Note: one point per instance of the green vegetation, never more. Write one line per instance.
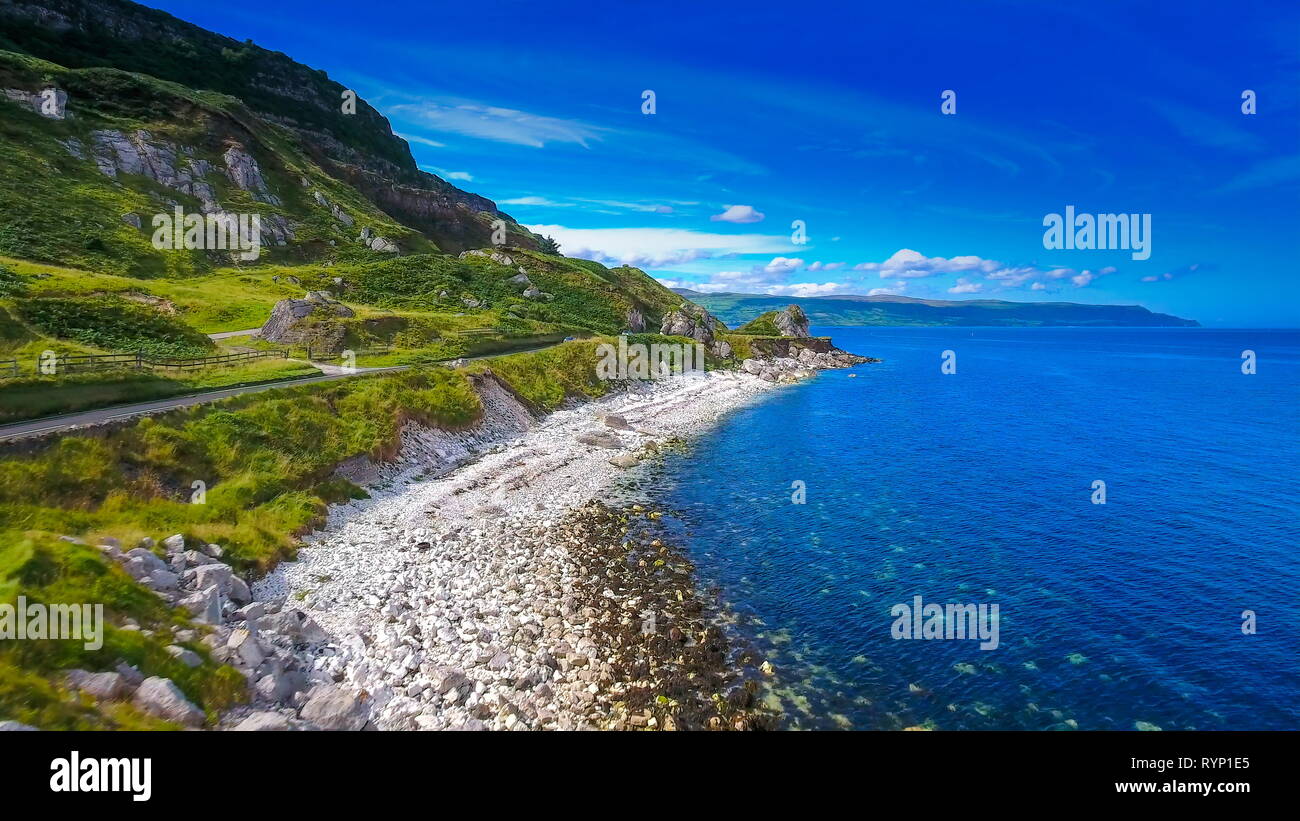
(39, 396)
(762, 325)
(268, 461)
(45, 570)
(114, 325)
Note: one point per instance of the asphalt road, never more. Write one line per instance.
(67, 421)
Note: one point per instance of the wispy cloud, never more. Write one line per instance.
(411, 138)
(656, 247)
(463, 176)
(507, 125)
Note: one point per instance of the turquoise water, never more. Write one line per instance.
(977, 487)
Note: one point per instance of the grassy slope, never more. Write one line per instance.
(63, 210)
(761, 325)
(267, 461)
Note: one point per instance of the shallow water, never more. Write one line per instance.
(977, 488)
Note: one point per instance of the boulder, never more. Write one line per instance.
(601, 439)
(205, 605)
(160, 697)
(185, 656)
(103, 686)
(332, 707)
(264, 722)
(14, 726)
(151, 562)
(312, 321)
(615, 421)
(207, 576)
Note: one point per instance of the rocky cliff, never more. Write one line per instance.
(288, 126)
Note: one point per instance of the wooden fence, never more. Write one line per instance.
(84, 363)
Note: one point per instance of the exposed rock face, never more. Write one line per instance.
(179, 169)
(51, 103)
(635, 320)
(690, 320)
(358, 147)
(167, 164)
(792, 322)
(244, 172)
(308, 321)
(789, 360)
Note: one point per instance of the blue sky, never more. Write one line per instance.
(829, 113)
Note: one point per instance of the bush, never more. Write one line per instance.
(114, 324)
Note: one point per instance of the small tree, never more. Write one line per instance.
(548, 245)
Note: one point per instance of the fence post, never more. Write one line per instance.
(139, 359)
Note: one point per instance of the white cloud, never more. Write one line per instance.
(825, 266)
(738, 214)
(1038, 286)
(808, 289)
(965, 286)
(533, 201)
(463, 176)
(499, 124)
(783, 265)
(909, 264)
(422, 140)
(655, 247)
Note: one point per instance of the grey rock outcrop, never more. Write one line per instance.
(634, 320)
(51, 103)
(308, 321)
(246, 174)
(692, 321)
(792, 322)
(116, 153)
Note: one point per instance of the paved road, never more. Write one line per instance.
(68, 421)
(34, 427)
(229, 334)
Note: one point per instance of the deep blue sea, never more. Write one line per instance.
(977, 487)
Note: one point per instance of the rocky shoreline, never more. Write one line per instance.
(485, 584)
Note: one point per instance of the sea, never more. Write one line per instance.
(1128, 498)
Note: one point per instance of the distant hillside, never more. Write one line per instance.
(736, 309)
